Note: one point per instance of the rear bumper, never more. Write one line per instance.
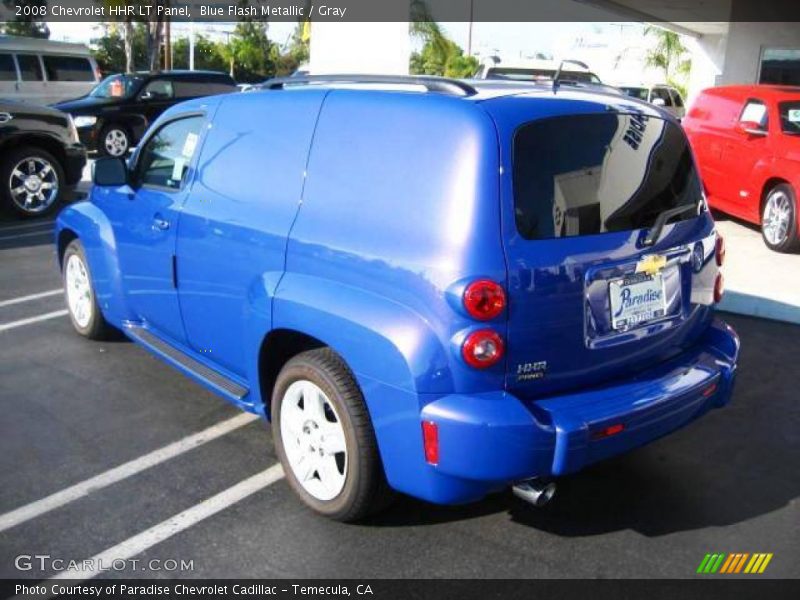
(487, 441)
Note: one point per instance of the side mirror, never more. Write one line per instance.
(146, 96)
(110, 171)
(749, 128)
(659, 102)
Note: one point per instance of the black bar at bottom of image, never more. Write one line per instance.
(416, 589)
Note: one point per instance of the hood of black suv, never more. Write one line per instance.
(87, 105)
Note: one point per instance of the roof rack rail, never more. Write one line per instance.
(442, 85)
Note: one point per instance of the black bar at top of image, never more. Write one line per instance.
(407, 589)
(675, 11)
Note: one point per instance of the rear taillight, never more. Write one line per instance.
(430, 440)
(484, 299)
(719, 250)
(483, 348)
(719, 288)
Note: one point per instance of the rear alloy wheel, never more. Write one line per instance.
(33, 181)
(115, 141)
(779, 219)
(324, 438)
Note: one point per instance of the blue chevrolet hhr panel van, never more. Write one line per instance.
(427, 286)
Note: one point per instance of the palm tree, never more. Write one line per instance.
(668, 53)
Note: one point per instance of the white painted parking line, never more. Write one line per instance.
(123, 471)
(30, 297)
(26, 235)
(51, 315)
(174, 525)
(27, 226)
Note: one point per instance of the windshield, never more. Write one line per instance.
(624, 172)
(790, 117)
(540, 75)
(636, 92)
(116, 86)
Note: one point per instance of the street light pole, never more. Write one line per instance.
(469, 36)
(191, 45)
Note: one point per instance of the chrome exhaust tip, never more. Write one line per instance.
(536, 492)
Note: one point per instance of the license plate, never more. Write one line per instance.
(636, 299)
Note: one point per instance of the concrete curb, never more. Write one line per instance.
(755, 306)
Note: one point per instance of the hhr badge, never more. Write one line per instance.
(532, 370)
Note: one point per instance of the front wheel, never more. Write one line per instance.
(32, 181)
(84, 311)
(779, 219)
(324, 437)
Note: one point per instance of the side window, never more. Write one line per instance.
(195, 89)
(159, 89)
(663, 94)
(8, 72)
(755, 111)
(68, 68)
(29, 67)
(676, 98)
(165, 158)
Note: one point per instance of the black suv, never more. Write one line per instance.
(115, 114)
(40, 156)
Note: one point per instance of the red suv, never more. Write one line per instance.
(747, 143)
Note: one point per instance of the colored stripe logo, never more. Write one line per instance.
(737, 562)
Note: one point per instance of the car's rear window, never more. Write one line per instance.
(598, 173)
(790, 117)
(68, 68)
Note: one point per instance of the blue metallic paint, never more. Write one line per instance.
(338, 218)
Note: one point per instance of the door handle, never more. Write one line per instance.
(160, 223)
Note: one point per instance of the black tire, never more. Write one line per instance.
(9, 162)
(97, 328)
(365, 489)
(791, 241)
(120, 130)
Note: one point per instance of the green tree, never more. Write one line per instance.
(109, 50)
(207, 54)
(439, 55)
(670, 55)
(25, 26)
(254, 55)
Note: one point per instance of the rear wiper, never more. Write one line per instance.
(655, 231)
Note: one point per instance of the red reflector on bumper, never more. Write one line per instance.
(608, 431)
(709, 391)
(430, 438)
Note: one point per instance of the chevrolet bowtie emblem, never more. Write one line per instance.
(651, 264)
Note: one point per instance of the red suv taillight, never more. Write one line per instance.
(719, 250)
(483, 348)
(484, 299)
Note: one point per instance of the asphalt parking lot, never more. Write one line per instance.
(78, 477)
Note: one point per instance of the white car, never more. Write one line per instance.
(535, 70)
(44, 71)
(665, 96)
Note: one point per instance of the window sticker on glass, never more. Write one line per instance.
(794, 115)
(754, 112)
(189, 145)
(177, 170)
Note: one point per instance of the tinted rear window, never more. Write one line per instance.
(598, 173)
(8, 72)
(68, 68)
(186, 88)
(29, 67)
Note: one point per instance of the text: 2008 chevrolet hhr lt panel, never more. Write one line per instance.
(440, 289)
